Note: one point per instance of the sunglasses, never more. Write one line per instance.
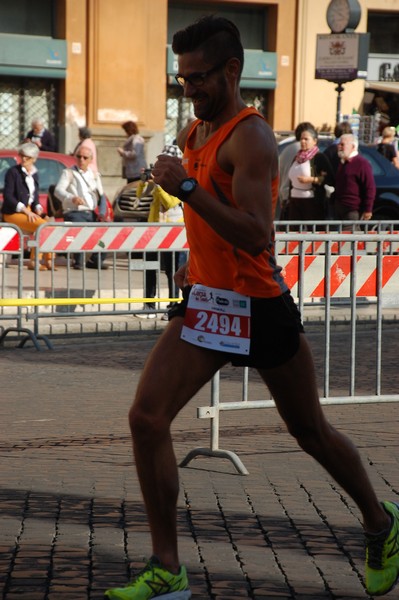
(83, 157)
(198, 79)
(25, 156)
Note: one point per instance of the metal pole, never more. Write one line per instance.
(339, 89)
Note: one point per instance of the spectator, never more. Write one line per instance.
(172, 261)
(41, 136)
(21, 204)
(354, 183)
(285, 161)
(387, 146)
(81, 193)
(332, 150)
(167, 209)
(132, 153)
(86, 141)
(308, 174)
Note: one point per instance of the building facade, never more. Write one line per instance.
(99, 63)
(316, 100)
(104, 63)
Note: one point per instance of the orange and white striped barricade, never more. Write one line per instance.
(364, 269)
(314, 267)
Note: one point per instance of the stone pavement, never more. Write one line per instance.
(72, 521)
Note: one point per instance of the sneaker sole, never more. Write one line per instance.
(186, 595)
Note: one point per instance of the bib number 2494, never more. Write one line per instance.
(217, 323)
(218, 319)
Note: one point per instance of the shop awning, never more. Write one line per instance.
(383, 86)
(260, 69)
(32, 56)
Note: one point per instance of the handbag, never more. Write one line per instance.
(54, 205)
(101, 210)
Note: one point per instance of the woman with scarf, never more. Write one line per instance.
(309, 173)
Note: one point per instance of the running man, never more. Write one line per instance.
(228, 181)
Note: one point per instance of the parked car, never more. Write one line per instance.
(127, 207)
(386, 176)
(50, 166)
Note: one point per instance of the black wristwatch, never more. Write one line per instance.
(186, 187)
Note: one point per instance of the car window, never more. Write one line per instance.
(5, 164)
(377, 169)
(49, 172)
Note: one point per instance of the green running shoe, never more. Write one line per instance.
(382, 556)
(154, 582)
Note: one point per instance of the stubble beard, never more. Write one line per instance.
(210, 108)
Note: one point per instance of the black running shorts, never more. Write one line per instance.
(275, 328)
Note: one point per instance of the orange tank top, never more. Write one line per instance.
(213, 261)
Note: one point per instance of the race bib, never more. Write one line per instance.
(218, 320)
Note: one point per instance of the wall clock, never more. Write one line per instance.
(343, 15)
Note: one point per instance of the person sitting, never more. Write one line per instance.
(41, 136)
(386, 146)
(21, 204)
(81, 193)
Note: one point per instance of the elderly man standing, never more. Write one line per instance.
(354, 184)
(81, 192)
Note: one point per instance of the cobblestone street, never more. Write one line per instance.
(72, 521)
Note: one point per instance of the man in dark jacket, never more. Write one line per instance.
(41, 136)
(354, 184)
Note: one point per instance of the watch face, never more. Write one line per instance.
(187, 185)
(338, 15)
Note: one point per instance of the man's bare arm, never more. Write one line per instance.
(250, 155)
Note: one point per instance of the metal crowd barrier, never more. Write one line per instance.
(337, 226)
(12, 244)
(320, 267)
(328, 268)
(131, 251)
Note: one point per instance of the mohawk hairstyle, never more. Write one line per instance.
(217, 37)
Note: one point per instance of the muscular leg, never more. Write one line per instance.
(293, 387)
(173, 373)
